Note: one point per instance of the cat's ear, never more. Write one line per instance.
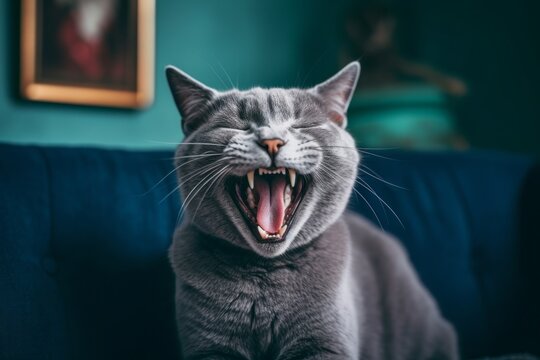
(191, 97)
(337, 92)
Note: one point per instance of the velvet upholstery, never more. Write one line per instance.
(84, 235)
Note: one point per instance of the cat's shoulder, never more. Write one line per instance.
(372, 242)
(364, 232)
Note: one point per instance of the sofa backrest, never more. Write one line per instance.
(84, 235)
(83, 254)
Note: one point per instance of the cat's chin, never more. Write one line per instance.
(268, 200)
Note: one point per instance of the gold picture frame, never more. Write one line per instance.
(45, 76)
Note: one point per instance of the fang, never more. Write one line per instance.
(292, 177)
(263, 233)
(251, 179)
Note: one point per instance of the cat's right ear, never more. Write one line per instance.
(191, 97)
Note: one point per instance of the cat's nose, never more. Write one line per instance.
(272, 145)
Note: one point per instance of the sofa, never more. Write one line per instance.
(84, 234)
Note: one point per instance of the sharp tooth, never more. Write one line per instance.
(251, 178)
(292, 176)
(282, 230)
(260, 171)
(287, 196)
(263, 233)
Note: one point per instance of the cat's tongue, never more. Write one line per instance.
(271, 206)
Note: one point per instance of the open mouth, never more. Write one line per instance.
(268, 199)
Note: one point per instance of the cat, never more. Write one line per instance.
(268, 263)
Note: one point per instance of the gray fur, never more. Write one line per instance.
(336, 288)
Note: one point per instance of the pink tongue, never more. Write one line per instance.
(271, 207)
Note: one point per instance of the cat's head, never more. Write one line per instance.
(265, 169)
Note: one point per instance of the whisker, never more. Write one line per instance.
(371, 208)
(217, 75)
(373, 174)
(166, 176)
(226, 74)
(218, 176)
(376, 155)
(377, 176)
(328, 171)
(197, 188)
(322, 147)
(207, 175)
(184, 203)
(338, 146)
(377, 148)
(198, 156)
(327, 153)
(202, 143)
(370, 189)
(361, 148)
(360, 181)
(204, 169)
(185, 143)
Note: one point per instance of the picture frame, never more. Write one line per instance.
(88, 52)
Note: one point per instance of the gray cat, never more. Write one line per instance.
(268, 264)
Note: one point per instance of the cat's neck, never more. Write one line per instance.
(199, 250)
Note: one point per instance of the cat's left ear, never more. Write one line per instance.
(337, 92)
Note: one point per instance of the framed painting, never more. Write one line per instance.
(88, 52)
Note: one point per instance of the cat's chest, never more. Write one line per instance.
(253, 291)
(250, 305)
(266, 312)
(268, 298)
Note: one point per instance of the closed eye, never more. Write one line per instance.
(246, 128)
(243, 126)
(226, 123)
(306, 126)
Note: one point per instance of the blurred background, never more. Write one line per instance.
(436, 75)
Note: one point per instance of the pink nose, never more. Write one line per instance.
(272, 145)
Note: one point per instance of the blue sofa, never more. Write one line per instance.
(84, 236)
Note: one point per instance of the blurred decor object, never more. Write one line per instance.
(369, 33)
(407, 118)
(88, 52)
(399, 103)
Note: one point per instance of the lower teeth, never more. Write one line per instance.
(266, 235)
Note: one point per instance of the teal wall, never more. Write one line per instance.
(495, 46)
(258, 43)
